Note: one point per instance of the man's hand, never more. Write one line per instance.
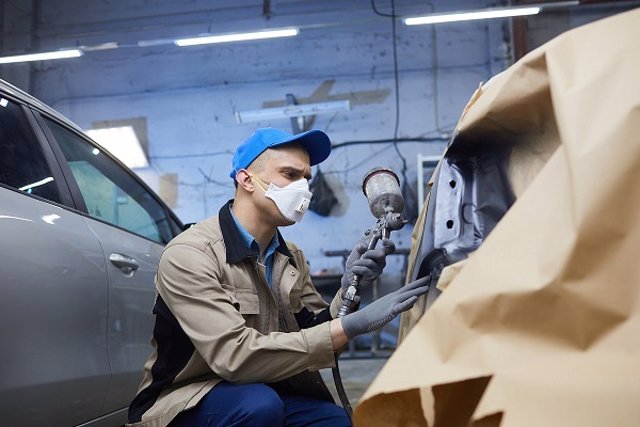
(383, 310)
(368, 264)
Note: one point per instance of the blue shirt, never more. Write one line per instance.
(250, 241)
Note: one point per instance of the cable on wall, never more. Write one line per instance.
(377, 12)
(397, 90)
(396, 79)
(387, 141)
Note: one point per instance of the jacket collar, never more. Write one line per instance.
(236, 249)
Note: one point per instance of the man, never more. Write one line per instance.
(240, 330)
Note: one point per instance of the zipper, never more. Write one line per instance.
(280, 313)
(281, 318)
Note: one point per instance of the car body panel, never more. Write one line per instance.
(76, 328)
(131, 299)
(470, 195)
(53, 310)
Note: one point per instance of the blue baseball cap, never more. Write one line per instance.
(316, 142)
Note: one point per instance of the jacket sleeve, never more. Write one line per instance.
(188, 281)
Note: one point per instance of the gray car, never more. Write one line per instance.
(80, 240)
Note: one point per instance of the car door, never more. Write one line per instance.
(133, 227)
(54, 367)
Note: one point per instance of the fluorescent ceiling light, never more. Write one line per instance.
(123, 143)
(236, 37)
(292, 111)
(43, 56)
(469, 16)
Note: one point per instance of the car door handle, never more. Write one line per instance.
(125, 263)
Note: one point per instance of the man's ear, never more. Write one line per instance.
(244, 180)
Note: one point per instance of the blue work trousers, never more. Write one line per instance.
(258, 405)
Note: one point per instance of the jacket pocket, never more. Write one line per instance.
(248, 301)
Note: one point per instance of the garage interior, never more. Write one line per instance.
(183, 102)
(387, 93)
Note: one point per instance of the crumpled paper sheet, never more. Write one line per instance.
(541, 327)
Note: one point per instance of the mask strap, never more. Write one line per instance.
(258, 180)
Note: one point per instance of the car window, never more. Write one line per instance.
(22, 161)
(110, 193)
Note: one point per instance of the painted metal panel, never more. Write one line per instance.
(131, 299)
(53, 315)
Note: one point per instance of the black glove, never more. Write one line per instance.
(368, 264)
(383, 310)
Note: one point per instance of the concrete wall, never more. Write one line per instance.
(189, 95)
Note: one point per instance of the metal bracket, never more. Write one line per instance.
(299, 123)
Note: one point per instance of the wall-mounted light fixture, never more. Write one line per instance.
(292, 111)
(236, 37)
(42, 56)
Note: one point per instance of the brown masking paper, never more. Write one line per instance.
(541, 325)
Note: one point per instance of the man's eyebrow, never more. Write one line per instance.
(307, 174)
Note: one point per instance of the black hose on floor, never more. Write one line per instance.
(340, 389)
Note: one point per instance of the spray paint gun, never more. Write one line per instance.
(382, 188)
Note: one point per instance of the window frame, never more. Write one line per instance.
(78, 200)
(48, 155)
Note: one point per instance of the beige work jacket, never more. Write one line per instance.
(218, 319)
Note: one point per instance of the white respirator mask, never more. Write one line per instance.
(292, 201)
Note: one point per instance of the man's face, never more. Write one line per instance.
(280, 166)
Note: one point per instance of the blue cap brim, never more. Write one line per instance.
(316, 142)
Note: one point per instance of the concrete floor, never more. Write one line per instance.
(357, 375)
